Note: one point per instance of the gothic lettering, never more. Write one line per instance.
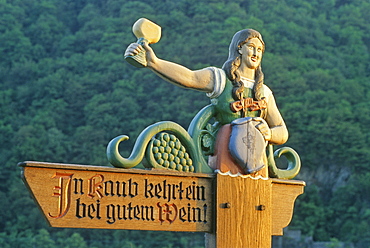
(100, 198)
(80, 209)
(95, 185)
(121, 189)
(63, 193)
(111, 215)
(193, 214)
(167, 212)
(78, 186)
(108, 188)
(132, 188)
(172, 192)
(83, 210)
(129, 212)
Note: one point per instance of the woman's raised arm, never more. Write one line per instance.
(201, 80)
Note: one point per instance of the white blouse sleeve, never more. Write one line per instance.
(219, 77)
(267, 93)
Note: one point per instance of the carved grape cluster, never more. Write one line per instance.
(170, 153)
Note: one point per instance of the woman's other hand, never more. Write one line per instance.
(263, 127)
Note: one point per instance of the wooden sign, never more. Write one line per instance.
(103, 197)
(234, 210)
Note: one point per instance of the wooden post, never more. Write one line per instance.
(249, 210)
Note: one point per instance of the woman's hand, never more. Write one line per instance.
(135, 48)
(263, 127)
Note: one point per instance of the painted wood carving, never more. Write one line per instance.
(248, 122)
(247, 201)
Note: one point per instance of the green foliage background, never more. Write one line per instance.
(65, 92)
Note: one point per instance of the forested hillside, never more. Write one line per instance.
(65, 92)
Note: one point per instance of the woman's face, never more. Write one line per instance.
(252, 53)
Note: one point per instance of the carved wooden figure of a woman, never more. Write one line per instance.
(237, 91)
